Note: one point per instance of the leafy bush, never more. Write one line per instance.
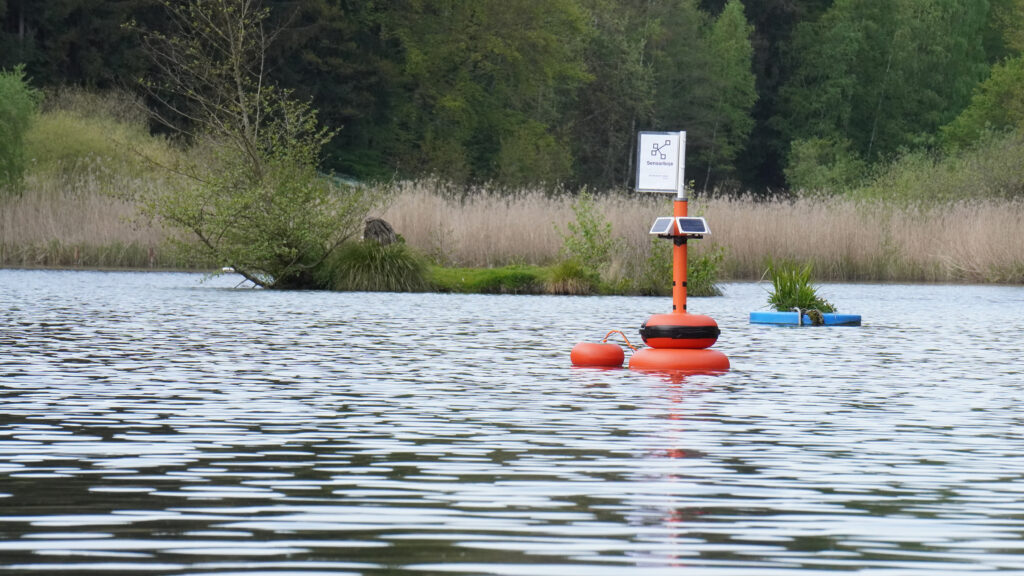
(792, 288)
(823, 165)
(654, 276)
(702, 273)
(990, 169)
(373, 267)
(18, 104)
(997, 106)
(70, 138)
(588, 240)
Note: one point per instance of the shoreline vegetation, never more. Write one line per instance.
(75, 210)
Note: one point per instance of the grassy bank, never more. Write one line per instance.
(76, 211)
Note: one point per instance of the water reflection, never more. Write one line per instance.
(156, 424)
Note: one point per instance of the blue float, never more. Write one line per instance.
(794, 319)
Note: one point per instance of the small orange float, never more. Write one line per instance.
(600, 355)
(597, 355)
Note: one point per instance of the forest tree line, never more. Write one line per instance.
(772, 93)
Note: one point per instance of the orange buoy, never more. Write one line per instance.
(604, 354)
(689, 360)
(691, 331)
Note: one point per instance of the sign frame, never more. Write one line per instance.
(658, 170)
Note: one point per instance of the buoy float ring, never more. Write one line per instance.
(597, 355)
(680, 331)
(688, 360)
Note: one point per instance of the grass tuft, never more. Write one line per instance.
(372, 267)
(515, 279)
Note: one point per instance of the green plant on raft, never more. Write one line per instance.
(372, 267)
(792, 288)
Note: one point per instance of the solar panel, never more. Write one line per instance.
(692, 226)
(662, 226)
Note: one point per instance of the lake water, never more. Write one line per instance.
(161, 424)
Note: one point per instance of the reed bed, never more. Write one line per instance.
(62, 221)
(78, 222)
(843, 239)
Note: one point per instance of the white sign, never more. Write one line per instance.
(661, 160)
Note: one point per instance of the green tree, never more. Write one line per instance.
(704, 82)
(735, 93)
(997, 105)
(619, 96)
(332, 52)
(479, 74)
(885, 74)
(1005, 33)
(251, 194)
(79, 42)
(823, 165)
(18, 102)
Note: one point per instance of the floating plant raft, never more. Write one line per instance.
(794, 319)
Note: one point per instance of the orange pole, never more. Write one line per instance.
(679, 263)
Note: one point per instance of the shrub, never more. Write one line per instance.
(702, 273)
(18, 104)
(792, 288)
(588, 240)
(654, 277)
(823, 165)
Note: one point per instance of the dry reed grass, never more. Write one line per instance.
(59, 221)
(845, 240)
(63, 223)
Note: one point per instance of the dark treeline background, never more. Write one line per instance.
(525, 91)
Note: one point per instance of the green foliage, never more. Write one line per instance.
(619, 95)
(1006, 29)
(733, 84)
(18, 103)
(372, 267)
(520, 91)
(997, 105)
(885, 74)
(485, 73)
(823, 165)
(654, 276)
(531, 155)
(84, 134)
(571, 277)
(990, 169)
(792, 288)
(703, 272)
(250, 191)
(588, 240)
(506, 280)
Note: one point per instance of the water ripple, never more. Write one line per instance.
(159, 424)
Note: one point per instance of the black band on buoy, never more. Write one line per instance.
(679, 332)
